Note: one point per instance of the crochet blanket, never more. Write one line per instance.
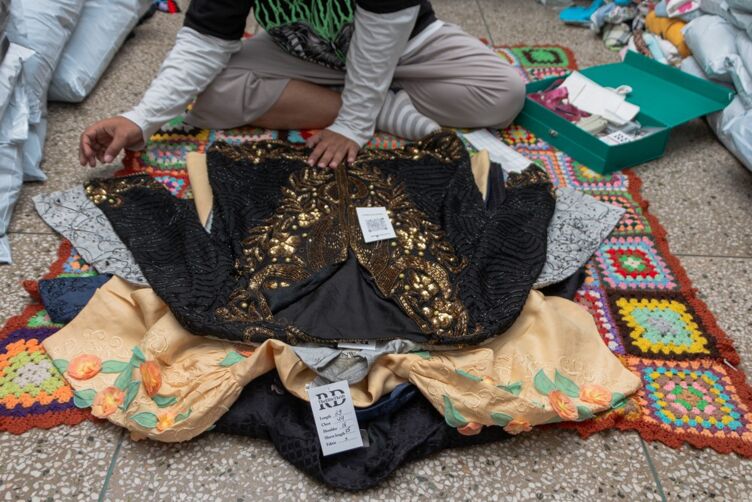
(638, 292)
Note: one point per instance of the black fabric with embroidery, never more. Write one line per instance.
(285, 233)
(415, 430)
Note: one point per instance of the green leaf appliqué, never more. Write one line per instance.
(113, 366)
(164, 401)
(183, 416)
(618, 400)
(465, 374)
(584, 413)
(543, 384)
(130, 394)
(501, 419)
(138, 355)
(145, 419)
(452, 417)
(61, 365)
(231, 358)
(124, 378)
(84, 398)
(513, 388)
(566, 385)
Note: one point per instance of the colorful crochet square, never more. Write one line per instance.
(563, 170)
(633, 222)
(659, 327)
(694, 398)
(74, 265)
(542, 62)
(638, 293)
(32, 392)
(633, 263)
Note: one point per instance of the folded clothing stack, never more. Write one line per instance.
(722, 51)
(438, 334)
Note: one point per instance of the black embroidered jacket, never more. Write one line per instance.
(285, 257)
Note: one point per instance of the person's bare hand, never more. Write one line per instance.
(331, 148)
(103, 140)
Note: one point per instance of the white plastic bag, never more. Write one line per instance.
(732, 125)
(713, 43)
(43, 26)
(14, 128)
(101, 30)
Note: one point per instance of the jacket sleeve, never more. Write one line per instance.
(379, 39)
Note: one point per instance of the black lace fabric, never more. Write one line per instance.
(415, 430)
(286, 259)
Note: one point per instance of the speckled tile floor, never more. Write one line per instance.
(700, 193)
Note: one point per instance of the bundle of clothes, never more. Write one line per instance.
(224, 311)
(706, 38)
(53, 50)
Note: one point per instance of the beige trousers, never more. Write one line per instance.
(451, 78)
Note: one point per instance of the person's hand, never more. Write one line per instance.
(331, 148)
(103, 140)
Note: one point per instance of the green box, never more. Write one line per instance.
(666, 96)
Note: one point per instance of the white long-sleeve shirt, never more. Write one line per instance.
(196, 59)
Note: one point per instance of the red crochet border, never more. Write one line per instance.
(73, 416)
(655, 432)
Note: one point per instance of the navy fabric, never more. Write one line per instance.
(63, 298)
(399, 397)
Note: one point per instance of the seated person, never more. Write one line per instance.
(346, 67)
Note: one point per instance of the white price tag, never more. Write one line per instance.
(500, 152)
(375, 224)
(335, 417)
(357, 346)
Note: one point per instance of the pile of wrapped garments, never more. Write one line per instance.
(446, 321)
(722, 51)
(706, 38)
(49, 50)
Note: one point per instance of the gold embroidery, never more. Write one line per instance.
(315, 225)
(100, 191)
(531, 175)
(254, 333)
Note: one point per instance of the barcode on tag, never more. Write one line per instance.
(335, 418)
(375, 224)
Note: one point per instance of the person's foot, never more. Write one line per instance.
(398, 116)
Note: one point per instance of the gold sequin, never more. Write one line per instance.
(315, 225)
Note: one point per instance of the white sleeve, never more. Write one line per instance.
(377, 43)
(191, 65)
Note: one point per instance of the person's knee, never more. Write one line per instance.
(223, 104)
(508, 99)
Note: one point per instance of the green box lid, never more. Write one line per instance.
(662, 92)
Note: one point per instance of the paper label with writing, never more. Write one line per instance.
(335, 418)
(375, 224)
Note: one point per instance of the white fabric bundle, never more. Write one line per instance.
(732, 125)
(14, 131)
(713, 41)
(101, 30)
(43, 26)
